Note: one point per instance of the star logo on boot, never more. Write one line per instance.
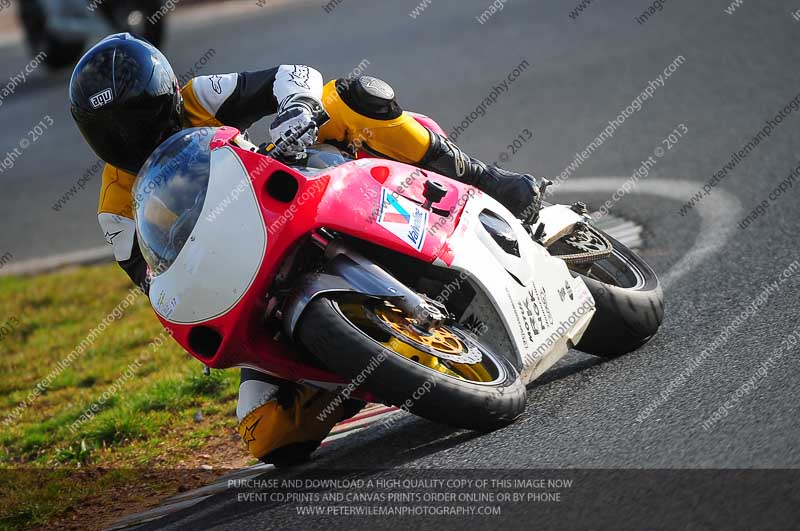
(248, 433)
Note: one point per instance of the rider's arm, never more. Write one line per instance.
(116, 221)
(241, 99)
(120, 232)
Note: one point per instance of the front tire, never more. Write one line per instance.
(348, 339)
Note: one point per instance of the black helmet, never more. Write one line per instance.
(125, 99)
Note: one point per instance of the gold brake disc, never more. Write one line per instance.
(441, 350)
(442, 340)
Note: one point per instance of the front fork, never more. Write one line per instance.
(347, 271)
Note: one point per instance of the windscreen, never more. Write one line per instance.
(169, 193)
(320, 158)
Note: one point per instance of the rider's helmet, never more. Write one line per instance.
(125, 99)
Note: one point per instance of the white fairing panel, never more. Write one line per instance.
(540, 304)
(223, 254)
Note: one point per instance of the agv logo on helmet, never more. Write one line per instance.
(101, 98)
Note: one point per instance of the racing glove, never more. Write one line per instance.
(294, 115)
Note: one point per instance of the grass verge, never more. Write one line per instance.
(100, 411)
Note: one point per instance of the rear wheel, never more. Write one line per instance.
(445, 375)
(626, 290)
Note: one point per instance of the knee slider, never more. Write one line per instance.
(370, 97)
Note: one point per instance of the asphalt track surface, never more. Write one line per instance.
(739, 71)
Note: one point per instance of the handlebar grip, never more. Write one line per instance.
(318, 119)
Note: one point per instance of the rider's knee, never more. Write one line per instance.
(369, 96)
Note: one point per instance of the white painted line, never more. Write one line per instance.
(717, 217)
(625, 233)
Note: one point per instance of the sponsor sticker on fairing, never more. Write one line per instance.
(165, 305)
(403, 218)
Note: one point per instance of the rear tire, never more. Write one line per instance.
(348, 350)
(629, 300)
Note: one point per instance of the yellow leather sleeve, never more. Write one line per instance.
(115, 192)
(195, 115)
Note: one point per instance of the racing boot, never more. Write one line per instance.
(517, 192)
(283, 423)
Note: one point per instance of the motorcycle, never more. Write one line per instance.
(396, 284)
(61, 28)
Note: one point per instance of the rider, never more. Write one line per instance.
(126, 100)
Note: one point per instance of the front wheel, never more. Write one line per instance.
(446, 376)
(626, 291)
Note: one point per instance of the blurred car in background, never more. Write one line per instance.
(62, 28)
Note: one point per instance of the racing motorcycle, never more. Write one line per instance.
(413, 289)
(61, 28)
